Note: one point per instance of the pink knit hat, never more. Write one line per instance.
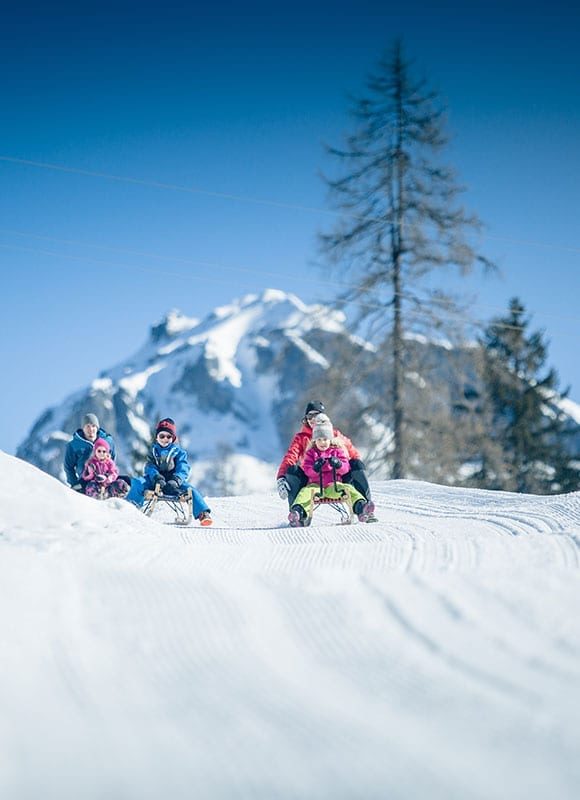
(101, 443)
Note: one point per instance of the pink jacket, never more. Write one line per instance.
(94, 467)
(327, 471)
(299, 447)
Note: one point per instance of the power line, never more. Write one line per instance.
(214, 264)
(416, 312)
(531, 243)
(115, 264)
(249, 199)
(168, 186)
(127, 251)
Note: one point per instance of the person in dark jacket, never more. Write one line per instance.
(290, 477)
(80, 448)
(168, 468)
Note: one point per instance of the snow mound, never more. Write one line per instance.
(433, 654)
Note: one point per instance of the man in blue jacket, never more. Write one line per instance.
(80, 448)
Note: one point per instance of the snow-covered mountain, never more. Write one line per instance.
(236, 383)
(434, 654)
(232, 382)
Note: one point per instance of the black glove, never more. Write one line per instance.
(172, 486)
(100, 478)
(318, 464)
(335, 462)
(160, 481)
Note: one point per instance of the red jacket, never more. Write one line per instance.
(300, 444)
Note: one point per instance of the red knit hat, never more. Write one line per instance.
(101, 443)
(167, 425)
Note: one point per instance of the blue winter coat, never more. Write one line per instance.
(78, 451)
(169, 461)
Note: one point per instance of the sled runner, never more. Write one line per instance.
(182, 505)
(341, 503)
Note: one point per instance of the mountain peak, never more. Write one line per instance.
(174, 323)
(269, 297)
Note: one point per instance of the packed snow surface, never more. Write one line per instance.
(435, 654)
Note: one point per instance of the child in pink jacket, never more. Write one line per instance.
(325, 461)
(101, 473)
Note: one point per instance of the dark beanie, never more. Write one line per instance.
(314, 405)
(167, 425)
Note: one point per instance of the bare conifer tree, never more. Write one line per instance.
(400, 222)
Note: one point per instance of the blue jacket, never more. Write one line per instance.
(169, 461)
(78, 451)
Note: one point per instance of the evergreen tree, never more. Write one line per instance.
(400, 221)
(527, 423)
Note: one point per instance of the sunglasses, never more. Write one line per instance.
(313, 414)
(164, 436)
(101, 450)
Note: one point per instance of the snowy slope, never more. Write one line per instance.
(435, 654)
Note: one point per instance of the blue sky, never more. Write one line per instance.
(236, 102)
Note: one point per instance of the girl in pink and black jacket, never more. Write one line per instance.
(325, 462)
(291, 477)
(101, 474)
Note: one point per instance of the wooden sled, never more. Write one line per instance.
(181, 505)
(342, 505)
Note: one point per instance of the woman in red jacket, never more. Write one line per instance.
(325, 462)
(291, 477)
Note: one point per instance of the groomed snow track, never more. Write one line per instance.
(435, 654)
